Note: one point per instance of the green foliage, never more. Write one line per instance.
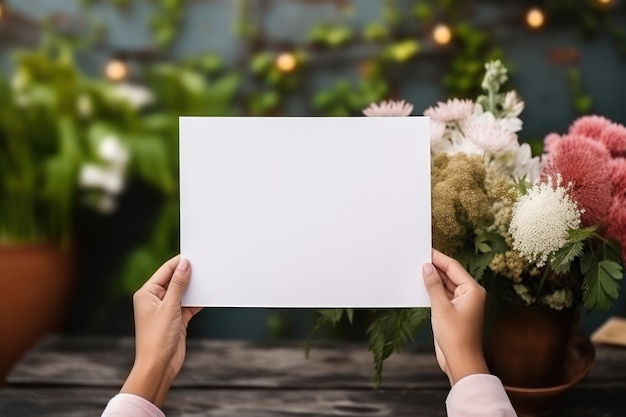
(332, 36)
(390, 332)
(327, 317)
(561, 263)
(602, 269)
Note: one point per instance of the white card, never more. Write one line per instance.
(305, 212)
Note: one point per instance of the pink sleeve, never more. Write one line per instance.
(129, 405)
(479, 395)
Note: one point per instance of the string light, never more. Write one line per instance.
(286, 62)
(442, 34)
(116, 70)
(605, 1)
(535, 18)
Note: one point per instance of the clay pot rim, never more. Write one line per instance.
(587, 353)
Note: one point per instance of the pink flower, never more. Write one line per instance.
(389, 109)
(614, 138)
(617, 168)
(489, 135)
(584, 163)
(616, 228)
(450, 111)
(589, 126)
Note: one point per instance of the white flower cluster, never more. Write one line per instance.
(107, 178)
(486, 128)
(541, 221)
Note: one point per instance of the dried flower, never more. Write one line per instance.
(541, 221)
(389, 109)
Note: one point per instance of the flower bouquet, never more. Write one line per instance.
(533, 230)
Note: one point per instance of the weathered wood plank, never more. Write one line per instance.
(222, 364)
(86, 402)
(213, 363)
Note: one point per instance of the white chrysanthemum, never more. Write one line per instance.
(453, 110)
(526, 166)
(453, 142)
(389, 108)
(541, 221)
(512, 105)
(437, 130)
(486, 133)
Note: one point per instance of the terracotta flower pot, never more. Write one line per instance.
(36, 286)
(526, 345)
(539, 354)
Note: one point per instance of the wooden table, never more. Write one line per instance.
(66, 376)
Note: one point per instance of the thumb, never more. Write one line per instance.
(434, 286)
(179, 282)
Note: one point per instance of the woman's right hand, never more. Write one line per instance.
(457, 305)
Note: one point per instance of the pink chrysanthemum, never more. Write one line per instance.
(389, 108)
(617, 168)
(616, 228)
(614, 138)
(584, 163)
(486, 133)
(589, 126)
(450, 111)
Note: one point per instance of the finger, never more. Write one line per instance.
(179, 282)
(434, 285)
(189, 312)
(163, 275)
(452, 268)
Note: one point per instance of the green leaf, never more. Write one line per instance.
(391, 331)
(564, 256)
(350, 315)
(579, 235)
(326, 317)
(600, 285)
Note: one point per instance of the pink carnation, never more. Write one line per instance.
(617, 168)
(616, 228)
(614, 138)
(590, 126)
(584, 163)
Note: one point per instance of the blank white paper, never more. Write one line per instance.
(305, 212)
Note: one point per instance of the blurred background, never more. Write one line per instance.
(91, 92)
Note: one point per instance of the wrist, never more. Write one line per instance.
(149, 381)
(466, 365)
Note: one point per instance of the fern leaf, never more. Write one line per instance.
(391, 331)
(326, 317)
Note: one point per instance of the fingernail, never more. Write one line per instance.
(428, 269)
(183, 265)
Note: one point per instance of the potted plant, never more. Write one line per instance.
(544, 235)
(66, 140)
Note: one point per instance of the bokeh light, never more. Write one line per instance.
(116, 70)
(442, 34)
(535, 18)
(286, 62)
